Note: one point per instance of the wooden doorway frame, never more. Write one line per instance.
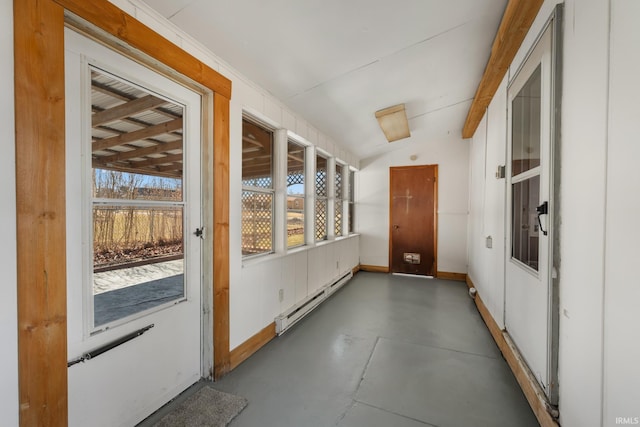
(435, 215)
(40, 190)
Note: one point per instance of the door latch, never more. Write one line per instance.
(200, 232)
(543, 209)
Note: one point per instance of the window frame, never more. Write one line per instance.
(351, 201)
(305, 207)
(340, 198)
(271, 191)
(319, 197)
(92, 202)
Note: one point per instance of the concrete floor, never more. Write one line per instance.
(383, 351)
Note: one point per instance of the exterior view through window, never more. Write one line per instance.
(257, 189)
(137, 199)
(295, 194)
(338, 200)
(321, 197)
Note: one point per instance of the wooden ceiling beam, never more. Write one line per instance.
(516, 21)
(151, 131)
(157, 161)
(123, 96)
(172, 167)
(141, 152)
(127, 109)
(150, 172)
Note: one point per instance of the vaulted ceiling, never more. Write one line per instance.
(336, 62)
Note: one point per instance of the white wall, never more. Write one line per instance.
(583, 180)
(622, 287)
(298, 274)
(8, 302)
(451, 156)
(600, 201)
(486, 205)
(254, 287)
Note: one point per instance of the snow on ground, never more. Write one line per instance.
(122, 278)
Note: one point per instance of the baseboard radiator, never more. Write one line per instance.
(304, 307)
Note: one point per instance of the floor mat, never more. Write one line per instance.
(205, 408)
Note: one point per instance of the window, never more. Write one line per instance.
(321, 197)
(138, 206)
(352, 205)
(295, 194)
(526, 170)
(339, 205)
(257, 189)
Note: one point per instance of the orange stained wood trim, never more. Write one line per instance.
(516, 21)
(460, 277)
(40, 205)
(436, 183)
(221, 356)
(118, 23)
(253, 344)
(374, 268)
(526, 380)
(355, 269)
(40, 191)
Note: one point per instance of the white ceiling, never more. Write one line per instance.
(336, 62)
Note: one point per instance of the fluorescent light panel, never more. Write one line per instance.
(393, 122)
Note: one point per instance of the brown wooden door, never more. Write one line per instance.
(412, 234)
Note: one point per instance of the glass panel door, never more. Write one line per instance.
(137, 196)
(525, 171)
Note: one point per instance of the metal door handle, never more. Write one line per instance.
(543, 209)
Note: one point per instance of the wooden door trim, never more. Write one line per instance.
(435, 213)
(514, 26)
(40, 191)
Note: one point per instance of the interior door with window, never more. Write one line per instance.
(412, 241)
(133, 142)
(527, 285)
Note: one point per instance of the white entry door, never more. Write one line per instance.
(527, 293)
(133, 204)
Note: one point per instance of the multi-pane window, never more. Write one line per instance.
(295, 194)
(321, 197)
(352, 204)
(338, 200)
(257, 189)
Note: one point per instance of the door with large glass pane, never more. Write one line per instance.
(133, 204)
(527, 285)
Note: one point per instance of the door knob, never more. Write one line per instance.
(395, 227)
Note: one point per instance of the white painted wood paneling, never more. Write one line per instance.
(8, 298)
(476, 246)
(622, 292)
(299, 274)
(584, 141)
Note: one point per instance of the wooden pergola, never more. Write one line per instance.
(133, 130)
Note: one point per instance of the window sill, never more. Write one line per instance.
(258, 259)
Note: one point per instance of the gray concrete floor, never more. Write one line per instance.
(383, 351)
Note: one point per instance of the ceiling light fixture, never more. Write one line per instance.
(393, 122)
